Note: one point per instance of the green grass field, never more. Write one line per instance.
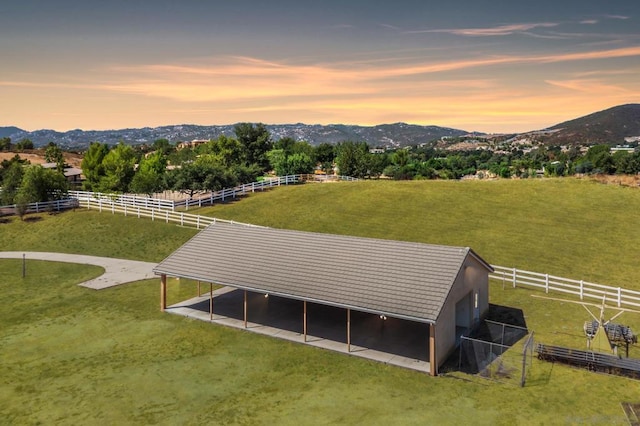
(70, 355)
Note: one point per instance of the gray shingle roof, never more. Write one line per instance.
(403, 279)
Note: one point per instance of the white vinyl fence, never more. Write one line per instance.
(617, 296)
(201, 199)
(164, 215)
(57, 205)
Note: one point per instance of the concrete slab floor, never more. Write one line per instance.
(392, 341)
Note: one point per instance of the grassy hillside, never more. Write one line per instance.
(566, 227)
(72, 355)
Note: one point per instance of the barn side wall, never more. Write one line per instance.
(473, 278)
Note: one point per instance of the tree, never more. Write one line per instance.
(600, 157)
(41, 185)
(227, 151)
(5, 144)
(149, 178)
(285, 144)
(119, 166)
(53, 154)
(400, 157)
(11, 181)
(195, 177)
(325, 155)
(256, 142)
(92, 166)
(278, 159)
(24, 144)
(163, 146)
(6, 164)
(352, 159)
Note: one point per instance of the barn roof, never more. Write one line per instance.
(401, 279)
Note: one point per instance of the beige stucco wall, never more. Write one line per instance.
(473, 277)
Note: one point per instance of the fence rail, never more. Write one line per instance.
(56, 205)
(618, 296)
(164, 215)
(203, 199)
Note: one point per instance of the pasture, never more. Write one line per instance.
(72, 355)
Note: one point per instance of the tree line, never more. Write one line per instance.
(227, 161)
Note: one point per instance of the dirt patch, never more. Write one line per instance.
(36, 156)
(632, 181)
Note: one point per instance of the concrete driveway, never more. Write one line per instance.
(117, 271)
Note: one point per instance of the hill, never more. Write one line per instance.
(385, 135)
(610, 126)
(9, 131)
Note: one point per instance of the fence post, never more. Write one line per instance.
(138, 212)
(166, 215)
(152, 218)
(581, 289)
(125, 210)
(198, 221)
(619, 296)
(546, 283)
(514, 278)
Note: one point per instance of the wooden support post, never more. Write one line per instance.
(433, 362)
(163, 292)
(211, 301)
(304, 321)
(348, 330)
(245, 309)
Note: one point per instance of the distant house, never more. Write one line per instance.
(193, 144)
(73, 174)
(439, 292)
(623, 148)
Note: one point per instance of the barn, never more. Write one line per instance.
(442, 289)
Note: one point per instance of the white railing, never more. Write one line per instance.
(618, 296)
(203, 199)
(123, 199)
(164, 215)
(57, 205)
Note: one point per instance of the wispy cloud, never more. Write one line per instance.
(593, 86)
(501, 30)
(621, 17)
(589, 22)
(243, 77)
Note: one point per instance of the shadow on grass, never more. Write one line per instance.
(502, 327)
(506, 315)
(31, 219)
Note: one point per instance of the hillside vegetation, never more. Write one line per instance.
(71, 355)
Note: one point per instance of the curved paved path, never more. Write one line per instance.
(117, 271)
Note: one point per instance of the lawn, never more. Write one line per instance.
(566, 227)
(72, 355)
(77, 356)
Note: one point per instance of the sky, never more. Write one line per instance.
(490, 66)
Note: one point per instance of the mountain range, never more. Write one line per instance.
(610, 126)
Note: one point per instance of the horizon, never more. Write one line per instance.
(489, 68)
